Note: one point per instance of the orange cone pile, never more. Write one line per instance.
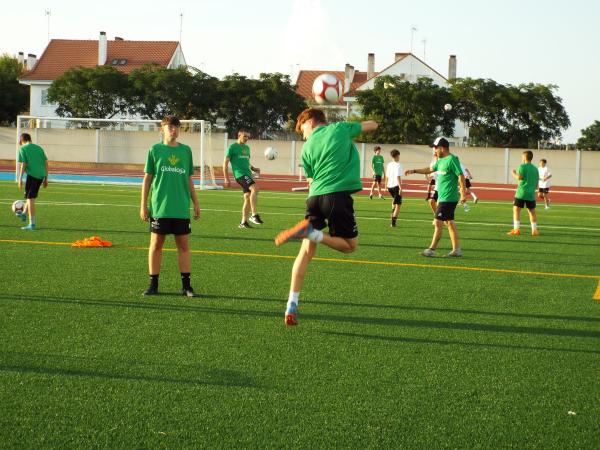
(93, 241)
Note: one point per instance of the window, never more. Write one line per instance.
(118, 62)
(45, 97)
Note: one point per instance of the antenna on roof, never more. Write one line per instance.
(48, 13)
(180, 26)
(424, 41)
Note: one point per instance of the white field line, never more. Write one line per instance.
(299, 214)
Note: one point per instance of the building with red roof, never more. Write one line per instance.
(63, 54)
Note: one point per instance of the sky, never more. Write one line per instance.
(512, 41)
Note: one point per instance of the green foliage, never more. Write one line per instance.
(508, 116)
(259, 106)
(91, 92)
(157, 92)
(590, 137)
(408, 113)
(14, 97)
(268, 104)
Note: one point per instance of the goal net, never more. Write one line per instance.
(114, 150)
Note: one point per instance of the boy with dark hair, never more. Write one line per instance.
(169, 170)
(449, 180)
(527, 176)
(238, 154)
(378, 172)
(35, 163)
(393, 181)
(544, 184)
(332, 166)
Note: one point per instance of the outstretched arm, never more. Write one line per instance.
(368, 125)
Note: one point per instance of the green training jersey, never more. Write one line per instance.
(448, 171)
(171, 168)
(377, 164)
(528, 185)
(239, 156)
(35, 159)
(331, 159)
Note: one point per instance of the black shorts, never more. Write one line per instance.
(520, 203)
(32, 186)
(467, 183)
(445, 211)
(377, 178)
(543, 190)
(432, 182)
(336, 211)
(432, 195)
(395, 193)
(245, 182)
(166, 225)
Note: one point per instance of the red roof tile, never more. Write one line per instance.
(63, 54)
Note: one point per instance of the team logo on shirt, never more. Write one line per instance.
(173, 159)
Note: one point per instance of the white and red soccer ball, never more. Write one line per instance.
(327, 89)
(18, 206)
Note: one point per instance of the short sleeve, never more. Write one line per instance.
(149, 168)
(191, 166)
(22, 156)
(353, 128)
(230, 151)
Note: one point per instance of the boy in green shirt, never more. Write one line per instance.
(238, 154)
(377, 163)
(528, 176)
(34, 162)
(449, 177)
(169, 169)
(332, 166)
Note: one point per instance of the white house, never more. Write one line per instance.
(406, 66)
(63, 54)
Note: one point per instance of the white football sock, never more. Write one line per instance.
(292, 303)
(533, 226)
(516, 224)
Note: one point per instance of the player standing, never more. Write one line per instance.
(332, 166)
(544, 184)
(238, 154)
(527, 175)
(468, 178)
(393, 181)
(169, 169)
(450, 177)
(35, 163)
(377, 163)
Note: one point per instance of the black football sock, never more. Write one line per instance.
(185, 280)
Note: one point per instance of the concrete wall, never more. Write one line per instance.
(488, 165)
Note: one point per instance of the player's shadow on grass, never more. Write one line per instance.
(88, 368)
(408, 340)
(381, 321)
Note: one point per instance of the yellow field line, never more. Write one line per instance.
(597, 294)
(347, 261)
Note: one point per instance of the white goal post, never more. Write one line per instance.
(88, 146)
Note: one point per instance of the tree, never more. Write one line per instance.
(509, 116)
(590, 137)
(410, 113)
(259, 106)
(14, 97)
(91, 92)
(158, 92)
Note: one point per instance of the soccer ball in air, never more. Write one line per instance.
(327, 88)
(270, 153)
(447, 107)
(18, 206)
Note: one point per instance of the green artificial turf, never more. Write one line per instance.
(408, 352)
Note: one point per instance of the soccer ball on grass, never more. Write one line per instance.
(18, 206)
